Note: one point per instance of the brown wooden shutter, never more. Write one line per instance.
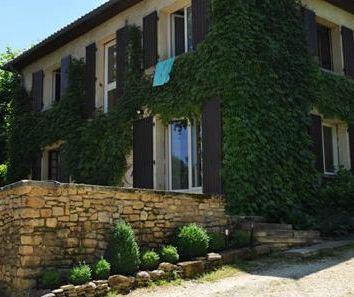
(311, 31)
(37, 90)
(351, 145)
(317, 141)
(89, 108)
(212, 147)
(121, 46)
(64, 74)
(143, 162)
(150, 40)
(37, 167)
(63, 174)
(200, 20)
(348, 51)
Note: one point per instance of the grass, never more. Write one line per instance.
(242, 267)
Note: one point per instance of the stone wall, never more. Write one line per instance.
(46, 224)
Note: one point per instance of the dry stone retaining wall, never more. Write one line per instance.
(47, 224)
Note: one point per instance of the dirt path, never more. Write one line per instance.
(328, 277)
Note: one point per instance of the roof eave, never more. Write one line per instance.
(70, 33)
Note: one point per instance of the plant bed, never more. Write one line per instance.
(165, 272)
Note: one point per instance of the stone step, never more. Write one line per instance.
(288, 234)
(318, 248)
(265, 226)
(289, 242)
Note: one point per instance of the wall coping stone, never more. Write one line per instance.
(53, 185)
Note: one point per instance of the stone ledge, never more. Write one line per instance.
(53, 185)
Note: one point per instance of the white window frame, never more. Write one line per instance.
(336, 160)
(172, 31)
(107, 86)
(190, 189)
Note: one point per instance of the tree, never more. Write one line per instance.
(8, 83)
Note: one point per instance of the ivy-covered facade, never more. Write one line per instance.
(249, 99)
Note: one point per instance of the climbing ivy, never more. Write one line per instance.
(255, 60)
(94, 150)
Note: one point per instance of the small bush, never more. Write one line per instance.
(150, 260)
(80, 274)
(50, 279)
(192, 241)
(240, 239)
(169, 254)
(123, 251)
(102, 269)
(217, 242)
(3, 173)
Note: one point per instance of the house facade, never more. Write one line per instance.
(184, 155)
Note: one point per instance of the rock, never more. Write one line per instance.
(49, 295)
(121, 282)
(67, 287)
(157, 275)
(213, 257)
(167, 267)
(213, 261)
(192, 268)
(142, 278)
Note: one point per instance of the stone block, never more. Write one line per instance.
(58, 211)
(142, 278)
(157, 275)
(167, 267)
(121, 282)
(192, 268)
(51, 222)
(45, 213)
(35, 202)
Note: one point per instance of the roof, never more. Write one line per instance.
(347, 5)
(70, 32)
(92, 20)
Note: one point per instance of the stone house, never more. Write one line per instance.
(171, 28)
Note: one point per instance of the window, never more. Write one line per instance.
(181, 31)
(110, 75)
(336, 152)
(53, 165)
(56, 85)
(325, 47)
(185, 155)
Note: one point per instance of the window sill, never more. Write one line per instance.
(333, 72)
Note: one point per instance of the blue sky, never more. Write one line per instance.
(26, 22)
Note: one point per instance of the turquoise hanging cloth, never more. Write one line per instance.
(162, 72)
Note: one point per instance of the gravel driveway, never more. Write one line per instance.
(327, 277)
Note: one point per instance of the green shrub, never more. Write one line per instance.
(3, 173)
(240, 238)
(217, 242)
(150, 260)
(80, 274)
(123, 251)
(50, 279)
(102, 269)
(169, 254)
(192, 241)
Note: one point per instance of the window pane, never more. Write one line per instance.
(196, 155)
(179, 33)
(179, 155)
(328, 149)
(324, 47)
(111, 64)
(189, 29)
(57, 77)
